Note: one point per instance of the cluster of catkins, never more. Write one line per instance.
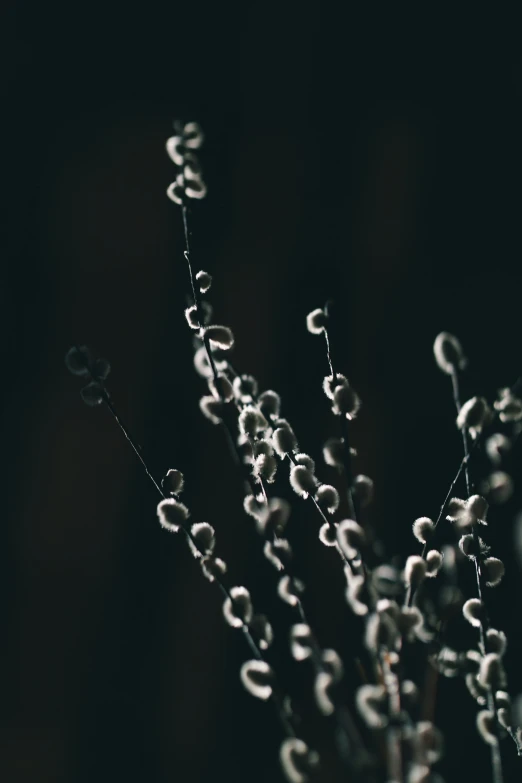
(391, 604)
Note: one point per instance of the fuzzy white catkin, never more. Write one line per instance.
(278, 552)
(473, 612)
(204, 280)
(497, 445)
(498, 486)
(176, 191)
(270, 403)
(496, 641)
(323, 685)
(274, 517)
(363, 489)
(316, 321)
(173, 482)
(251, 421)
(491, 672)
(486, 726)
(262, 630)
(193, 136)
(370, 702)
(333, 452)
(211, 408)
(354, 595)
(284, 441)
(255, 508)
(302, 481)
(213, 567)
(330, 384)
(174, 147)
(221, 388)
(172, 514)
(346, 402)
(423, 528)
(433, 562)
(297, 760)
(257, 678)
(327, 498)
(265, 467)
(300, 641)
(468, 545)
(245, 388)
(448, 353)
(493, 570)
(220, 337)
(237, 607)
(350, 536)
(431, 741)
(414, 570)
(289, 589)
(332, 664)
(509, 406)
(204, 537)
(191, 314)
(328, 534)
(473, 415)
(306, 460)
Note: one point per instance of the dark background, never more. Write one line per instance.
(373, 158)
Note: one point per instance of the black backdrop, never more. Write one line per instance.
(368, 157)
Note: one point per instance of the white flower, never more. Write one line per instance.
(257, 677)
(316, 321)
(448, 353)
(172, 514)
(237, 607)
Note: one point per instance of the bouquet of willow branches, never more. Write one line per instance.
(380, 731)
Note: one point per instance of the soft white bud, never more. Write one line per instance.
(172, 514)
(278, 552)
(346, 402)
(475, 689)
(284, 441)
(237, 607)
(204, 280)
(333, 452)
(423, 528)
(174, 147)
(486, 726)
(251, 421)
(448, 353)
(327, 498)
(469, 546)
(381, 631)
(473, 612)
(254, 508)
(274, 517)
(262, 631)
(492, 570)
(354, 595)
(491, 672)
(194, 188)
(330, 384)
(414, 570)
(316, 321)
(473, 415)
(220, 337)
(221, 388)
(191, 314)
(350, 536)
(173, 482)
(245, 388)
(306, 460)
(509, 406)
(270, 403)
(323, 686)
(204, 537)
(430, 740)
(211, 408)
(300, 641)
(371, 703)
(332, 664)
(265, 467)
(409, 692)
(433, 562)
(289, 590)
(176, 190)
(193, 135)
(257, 677)
(363, 489)
(497, 445)
(297, 760)
(328, 534)
(213, 567)
(496, 641)
(504, 718)
(302, 480)
(498, 486)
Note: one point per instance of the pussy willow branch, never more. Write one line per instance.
(276, 696)
(496, 759)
